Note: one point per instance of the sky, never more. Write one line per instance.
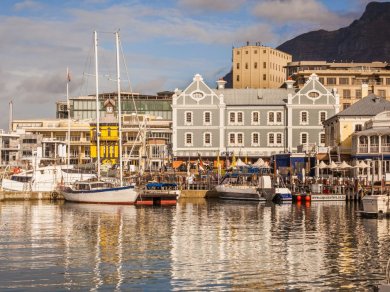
(164, 43)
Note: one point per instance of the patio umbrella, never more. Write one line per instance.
(333, 165)
(239, 162)
(259, 162)
(344, 165)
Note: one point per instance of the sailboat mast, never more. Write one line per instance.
(118, 78)
(97, 105)
(68, 110)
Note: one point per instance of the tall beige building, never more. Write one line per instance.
(257, 66)
(352, 80)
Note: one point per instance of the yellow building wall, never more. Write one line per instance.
(109, 144)
(346, 131)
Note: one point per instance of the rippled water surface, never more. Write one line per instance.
(195, 245)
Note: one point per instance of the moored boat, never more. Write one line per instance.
(378, 204)
(155, 193)
(99, 192)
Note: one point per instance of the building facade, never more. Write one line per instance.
(352, 80)
(340, 127)
(249, 122)
(257, 66)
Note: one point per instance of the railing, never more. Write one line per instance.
(374, 148)
(363, 148)
(385, 148)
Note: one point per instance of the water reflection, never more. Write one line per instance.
(194, 245)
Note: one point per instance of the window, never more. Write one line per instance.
(246, 65)
(343, 81)
(255, 139)
(255, 118)
(238, 52)
(382, 93)
(387, 81)
(358, 128)
(264, 77)
(239, 117)
(255, 65)
(188, 118)
(304, 118)
(29, 141)
(278, 117)
(322, 117)
(188, 139)
(255, 51)
(304, 138)
(207, 139)
(358, 93)
(279, 138)
(331, 80)
(238, 65)
(271, 139)
(321, 79)
(232, 117)
(346, 105)
(264, 65)
(232, 138)
(238, 78)
(322, 138)
(347, 93)
(271, 117)
(207, 118)
(240, 138)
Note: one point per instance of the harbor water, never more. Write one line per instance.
(195, 245)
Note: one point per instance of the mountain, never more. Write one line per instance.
(364, 40)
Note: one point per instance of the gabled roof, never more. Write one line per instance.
(371, 105)
(255, 96)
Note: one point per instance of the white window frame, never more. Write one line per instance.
(234, 120)
(185, 139)
(319, 139)
(253, 122)
(242, 118)
(275, 138)
(301, 138)
(275, 120)
(281, 118)
(230, 143)
(186, 123)
(301, 122)
(204, 139)
(319, 116)
(243, 139)
(204, 118)
(258, 139)
(269, 122)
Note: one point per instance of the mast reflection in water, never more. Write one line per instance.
(196, 245)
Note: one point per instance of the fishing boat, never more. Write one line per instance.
(157, 193)
(101, 191)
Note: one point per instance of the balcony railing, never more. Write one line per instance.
(385, 148)
(374, 148)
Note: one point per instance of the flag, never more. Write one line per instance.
(234, 160)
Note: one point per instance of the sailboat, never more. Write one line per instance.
(101, 191)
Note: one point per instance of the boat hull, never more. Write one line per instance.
(246, 193)
(121, 195)
(158, 197)
(376, 204)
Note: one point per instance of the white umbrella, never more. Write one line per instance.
(239, 162)
(259, 162)
(362, 164)
(333, 165)
(344, 165)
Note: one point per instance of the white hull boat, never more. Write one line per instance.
(239, 192)
(43, 179)
(376, 204)
(99, 192)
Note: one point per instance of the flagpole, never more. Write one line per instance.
(68, 110)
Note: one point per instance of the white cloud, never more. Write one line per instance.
(310, 12)
(214, 5)
(27, 4)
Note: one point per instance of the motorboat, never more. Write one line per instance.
(376, 204)
(44, 179)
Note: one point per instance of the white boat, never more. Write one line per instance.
(238, 187)
(376, 204)
(102, 191)
(99, 192)
(44, 179)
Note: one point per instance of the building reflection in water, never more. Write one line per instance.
(196, 245)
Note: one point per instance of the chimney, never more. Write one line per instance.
(221, 83)
(289, 82)
(364, 89)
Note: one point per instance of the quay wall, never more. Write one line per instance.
(193, 193)
(18, 196)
